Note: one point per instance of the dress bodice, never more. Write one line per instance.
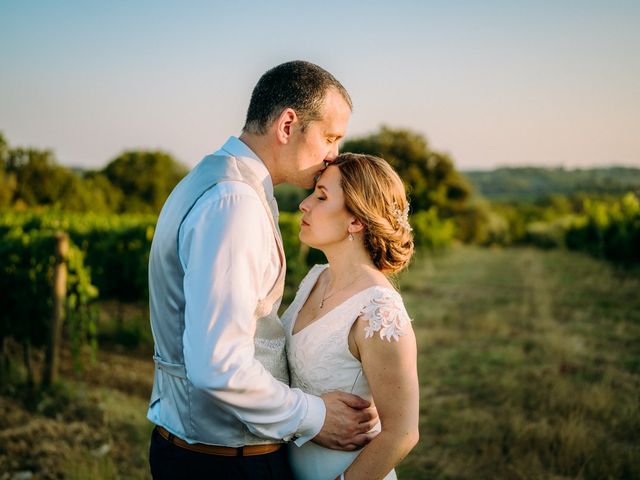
(320, 360)
(319, 357)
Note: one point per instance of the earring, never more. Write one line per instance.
(350, 238)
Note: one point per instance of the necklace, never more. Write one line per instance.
(337, 290)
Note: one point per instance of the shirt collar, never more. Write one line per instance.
(237, 148)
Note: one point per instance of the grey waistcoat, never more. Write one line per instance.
(183, 409)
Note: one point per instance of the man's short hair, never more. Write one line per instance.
(299, 85)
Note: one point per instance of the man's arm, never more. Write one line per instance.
(224, 247)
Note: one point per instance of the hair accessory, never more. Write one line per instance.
(402, 216)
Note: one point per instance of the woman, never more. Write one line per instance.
(347, 328)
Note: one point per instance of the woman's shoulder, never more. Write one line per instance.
(383, 312)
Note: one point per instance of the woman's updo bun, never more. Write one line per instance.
(374, 193)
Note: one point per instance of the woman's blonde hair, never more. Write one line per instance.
(375, 194)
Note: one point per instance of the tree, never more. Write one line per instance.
(32, 177)
(40, 181)
(7, 180)
(430, 176)
(105, 196)
(135, 181)
(145, 178)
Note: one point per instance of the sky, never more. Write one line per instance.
(491, 83)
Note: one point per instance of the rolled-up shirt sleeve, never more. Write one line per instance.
(224, 248)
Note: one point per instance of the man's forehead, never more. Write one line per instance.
(335, 107)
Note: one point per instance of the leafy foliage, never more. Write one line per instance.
(39, 181)
(430, 231)
(145, 179)
(430, 176)
(606, 227)
(27, 260)
(136, 181)
(115, 247)
(527, 184)
(608, 230)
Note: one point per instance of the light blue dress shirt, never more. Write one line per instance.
(230, 259)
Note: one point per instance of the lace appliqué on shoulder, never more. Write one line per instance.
(385, 314)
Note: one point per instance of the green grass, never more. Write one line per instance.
(528, 366)
(123, 451)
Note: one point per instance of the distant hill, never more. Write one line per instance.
(530, 183)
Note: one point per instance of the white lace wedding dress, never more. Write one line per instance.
(320, 362)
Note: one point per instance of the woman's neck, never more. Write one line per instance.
(346, 264)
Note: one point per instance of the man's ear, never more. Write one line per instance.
(284, 125)
(355, 226)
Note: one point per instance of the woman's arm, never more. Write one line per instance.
(391, 370)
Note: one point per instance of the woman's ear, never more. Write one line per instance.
(355, 225)
(284, 125)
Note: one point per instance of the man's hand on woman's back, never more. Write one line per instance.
(348, 420)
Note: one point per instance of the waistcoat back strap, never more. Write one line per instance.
(174, 369)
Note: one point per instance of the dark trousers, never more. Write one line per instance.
(169, 461)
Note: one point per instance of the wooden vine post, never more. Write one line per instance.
(52, 360)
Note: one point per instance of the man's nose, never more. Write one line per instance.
(333, 153)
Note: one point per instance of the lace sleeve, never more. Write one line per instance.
(385, 313)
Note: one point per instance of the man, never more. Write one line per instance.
(220, 399)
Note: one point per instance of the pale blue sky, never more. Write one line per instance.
(492, 83)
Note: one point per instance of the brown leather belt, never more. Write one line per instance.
(246, 451)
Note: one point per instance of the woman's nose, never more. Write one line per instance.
(303, 206)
